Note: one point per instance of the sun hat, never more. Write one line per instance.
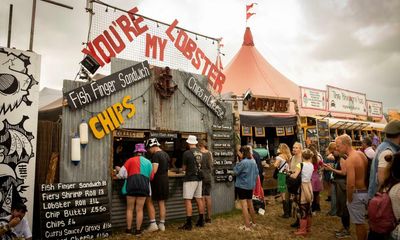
(192, 139)
(151, 142)
(393, 127)
(140, 148)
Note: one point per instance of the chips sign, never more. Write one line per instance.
(345, 101)
(86, 94)
(375, 108)
(206, 97)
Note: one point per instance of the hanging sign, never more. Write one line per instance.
(313, 98)
(89, 93)
(374, 108)
(205, 96)
(130, 30)
(345, 101)
(266, 104)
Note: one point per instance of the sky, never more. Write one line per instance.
(354, 45)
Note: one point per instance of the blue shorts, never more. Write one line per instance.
(358, 207)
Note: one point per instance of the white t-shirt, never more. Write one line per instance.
(21, 230)
(369, 152)
(281, 162)
(381, 158)
(306, 172)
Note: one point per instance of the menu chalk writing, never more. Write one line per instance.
(75, 210)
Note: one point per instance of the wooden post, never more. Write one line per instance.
(9, 26)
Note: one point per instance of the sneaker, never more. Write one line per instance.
(128, 231)
(208, 220)
(138, 233)
(161, 227)
(339, 231)
(343, 234)
(151, 228)
(252, 225)
(244, 228)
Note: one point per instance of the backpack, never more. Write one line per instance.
(380, 213)
(293, 184)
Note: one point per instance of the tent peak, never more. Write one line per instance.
(248, 38)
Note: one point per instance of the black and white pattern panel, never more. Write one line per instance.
(19, 96)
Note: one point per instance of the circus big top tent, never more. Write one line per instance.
(271, 106)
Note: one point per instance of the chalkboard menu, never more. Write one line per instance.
(223, 153)
(75, 210)
(323, 135)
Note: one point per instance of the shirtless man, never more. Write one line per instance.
(357, 193)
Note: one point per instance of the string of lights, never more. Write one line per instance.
(154, 20)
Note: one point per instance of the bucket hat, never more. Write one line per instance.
(140, 148)
(393, 127)
(151, 142)
(192, 139)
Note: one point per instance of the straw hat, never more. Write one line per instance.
(140, 148)
(192, 140)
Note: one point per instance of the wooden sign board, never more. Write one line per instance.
(96, 90)
(75, 210)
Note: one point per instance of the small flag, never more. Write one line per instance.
(248, 7)
(248, 15)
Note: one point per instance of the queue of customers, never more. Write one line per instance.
(146, 181)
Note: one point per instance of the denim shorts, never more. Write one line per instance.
(358, 207)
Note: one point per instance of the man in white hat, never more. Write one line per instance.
(192, 182)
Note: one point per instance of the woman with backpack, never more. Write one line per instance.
(282, 162)
(383, 221)
(305, 170)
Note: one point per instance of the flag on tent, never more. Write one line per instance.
(248, 15)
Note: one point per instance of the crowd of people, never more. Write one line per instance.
(352, 178)
(363, 185)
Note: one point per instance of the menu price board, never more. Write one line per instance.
(223, 175)
(323, 135)
(75, 210)
(223, 154)
(216, 127)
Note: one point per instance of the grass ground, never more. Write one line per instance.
(269, 226)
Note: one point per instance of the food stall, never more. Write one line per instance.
(154, 102)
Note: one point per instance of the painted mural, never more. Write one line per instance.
(19, 92)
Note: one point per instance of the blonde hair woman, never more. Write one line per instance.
(296, 158)
(282, 163)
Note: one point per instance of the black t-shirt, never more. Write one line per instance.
(162, 158)
(192, 159)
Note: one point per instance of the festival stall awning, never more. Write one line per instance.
(352, 124)
(267, 121)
